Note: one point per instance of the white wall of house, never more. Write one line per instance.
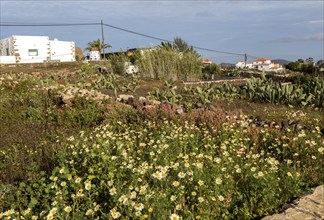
(261, 62)
(264, 67)
(8, 59)
(94, 55)
(270, 67)
(31, 49)
(64, 51)
(36, 49)
(242, 65)
(249, 66)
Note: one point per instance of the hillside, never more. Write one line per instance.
(281, 61)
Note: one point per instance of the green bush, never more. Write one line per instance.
(210, 69)
(118, 63)
(169, 64)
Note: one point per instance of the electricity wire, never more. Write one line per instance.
(16, 24)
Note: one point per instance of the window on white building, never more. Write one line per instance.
(33, 52)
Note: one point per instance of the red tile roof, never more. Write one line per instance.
(206, 61)
(262, 59)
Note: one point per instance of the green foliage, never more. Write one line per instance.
(106, 81)
(87, 161)
(116, 83)
(118, 63)
(88, 69)
(97, 44)
(210, 69)
(308, 91)
(34, 117)
(168, 64)
(168, 95)
(130, 84)
(294, 66)
(264, 90)
(179, 45)
(154, 169)
(306, 67)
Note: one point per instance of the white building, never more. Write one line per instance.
(94, 54)
(35, 49)
(261, 64)
(265, 64)
(261, 61)
(243, 65)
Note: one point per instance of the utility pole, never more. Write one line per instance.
(245, 59)
(102, 41)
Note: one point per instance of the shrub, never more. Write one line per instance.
(169, 64)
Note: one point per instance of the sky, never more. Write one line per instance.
(276, 29)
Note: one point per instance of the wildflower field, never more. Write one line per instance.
(108, 160)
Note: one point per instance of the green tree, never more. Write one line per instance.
(179, 45)
(294, 66)
(167, 46)
(320, 63)
(210, 69)
(309, 60)
(307, 68)
(97, 44)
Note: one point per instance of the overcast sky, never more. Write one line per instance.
(287, 29)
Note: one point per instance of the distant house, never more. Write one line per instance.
(35, 49)
(206, 61)
(261, 61)
(261, 64)
(265, 64)
(243, 65)
(94, 54)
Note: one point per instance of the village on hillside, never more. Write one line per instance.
(40, 49)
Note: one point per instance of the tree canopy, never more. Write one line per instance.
(307, 66)
(97, 44)
(179, 45)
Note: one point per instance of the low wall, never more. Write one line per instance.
(46, 64)
(7, 59)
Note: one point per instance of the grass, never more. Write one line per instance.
(108, 160)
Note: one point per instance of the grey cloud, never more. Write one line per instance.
(204, 14)
(316, 22)
(318, 37)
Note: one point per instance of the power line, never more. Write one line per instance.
(161, 39)
(137, 33)
(217, 51)
(45, 25)
(13, 24)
